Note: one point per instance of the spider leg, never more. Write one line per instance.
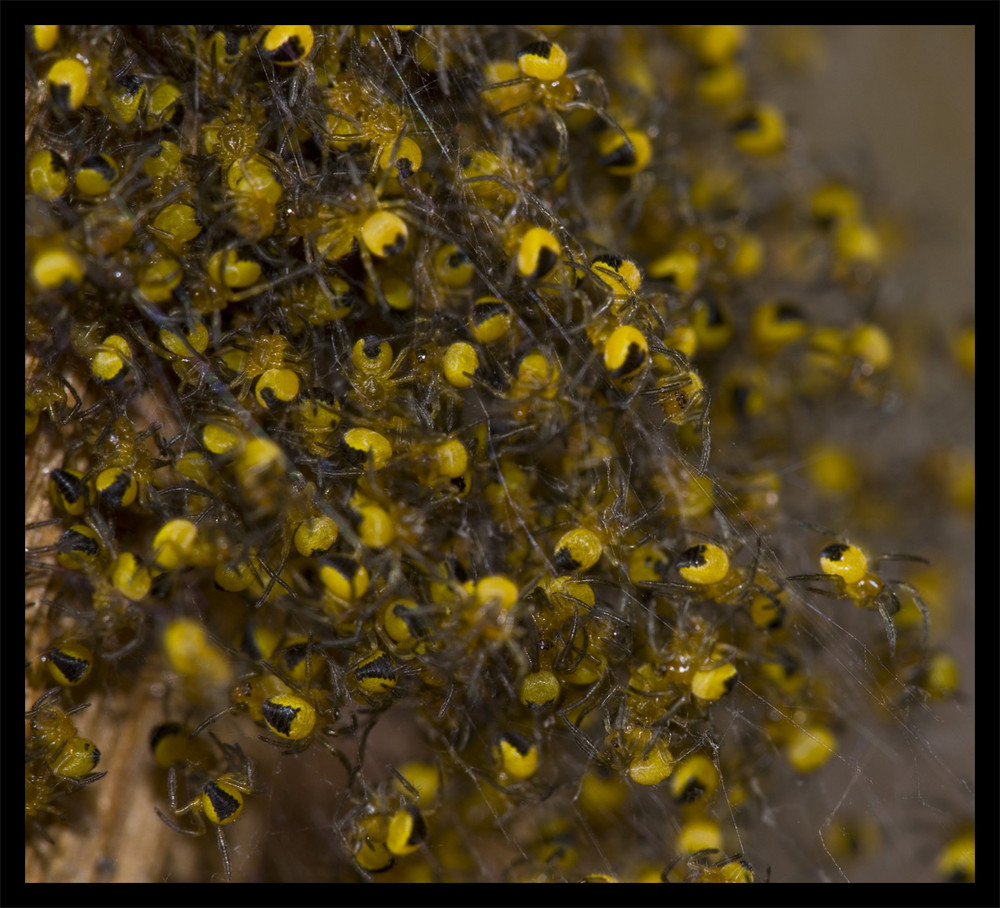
(883, 610)
(287, 747)
(212, 718)
(583, 742)
(562, 161)
(595, 698)
(803, 577)
(893, 556)
(224, 848)
(924, 611)
(175, 827)
(838, 591)
(339, 754)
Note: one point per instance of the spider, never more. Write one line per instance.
(845, 566)
(539, 82)
(219, 801)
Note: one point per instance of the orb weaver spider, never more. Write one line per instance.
(538, 85)
(219, 800)
(846, 567)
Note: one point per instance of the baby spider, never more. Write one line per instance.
(70, 757)
(708, 575)
(845, 566)
(372, 382)
(220, 800)
(684, 398)
(46, 392)
(538, 86)
(295, 718)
